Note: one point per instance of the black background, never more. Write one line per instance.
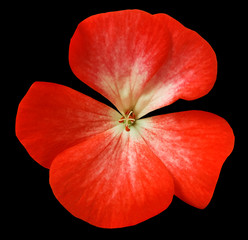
(35, 46)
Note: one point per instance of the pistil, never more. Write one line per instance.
(128, 120)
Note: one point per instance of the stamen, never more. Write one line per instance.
(127, 128)
(121, 120)
(129, 114)
(128, 120)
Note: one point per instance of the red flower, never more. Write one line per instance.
(115, 170)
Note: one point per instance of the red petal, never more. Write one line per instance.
(115, 53)
(189, 73)
(111, 180)
(141, 62)
(53, 117)
(193, 145)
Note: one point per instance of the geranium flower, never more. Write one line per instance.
(115, 169)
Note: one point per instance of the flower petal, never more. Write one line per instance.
(189, 73)
(115, 53)
(111, 180)
(140, 61)
(193, 145)
(52, 117)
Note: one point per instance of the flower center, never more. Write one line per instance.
(128, 120)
